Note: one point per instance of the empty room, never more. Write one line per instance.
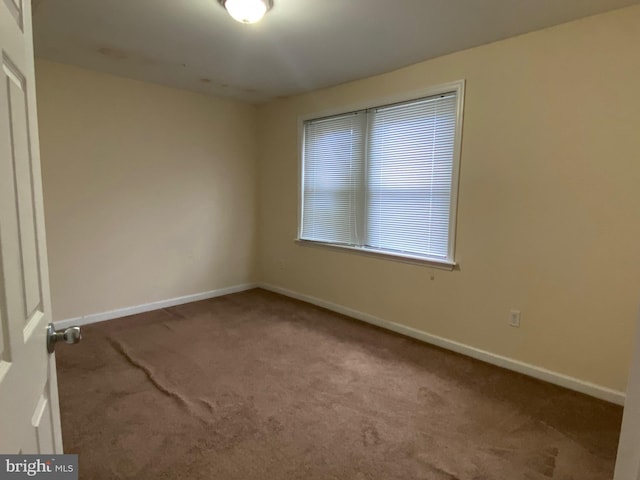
(320, 239)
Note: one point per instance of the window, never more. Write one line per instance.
(384, 179)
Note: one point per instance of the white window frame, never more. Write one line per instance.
(449, 263)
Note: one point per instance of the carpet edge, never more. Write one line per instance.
(556, 378)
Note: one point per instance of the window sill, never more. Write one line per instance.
(415, 260)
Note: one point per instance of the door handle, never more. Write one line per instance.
(71, 335)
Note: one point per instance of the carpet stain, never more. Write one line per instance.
(370, 436)
(501, 452)
(274, 425)
(549, 462)
(429, 396)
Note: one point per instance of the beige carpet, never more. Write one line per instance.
(258, 386)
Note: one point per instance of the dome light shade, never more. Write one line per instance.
(247, 11)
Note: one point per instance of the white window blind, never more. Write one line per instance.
(382, 179)
(409, 176)
(334, 160)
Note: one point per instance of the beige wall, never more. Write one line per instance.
(549, 205)
(149, 191)
(150, 194)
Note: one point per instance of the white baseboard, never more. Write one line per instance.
(565, 381)
(562, 380)
(147, 307)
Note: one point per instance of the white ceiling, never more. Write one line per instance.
(300, 45)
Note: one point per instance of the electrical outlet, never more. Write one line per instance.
(514, 318)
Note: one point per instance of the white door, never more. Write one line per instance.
(29, 412)
(628, 461)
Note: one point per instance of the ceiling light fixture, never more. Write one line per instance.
(247, 11)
